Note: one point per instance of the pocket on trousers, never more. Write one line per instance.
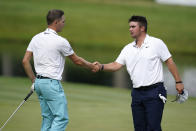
(161, 90)
(56, 86)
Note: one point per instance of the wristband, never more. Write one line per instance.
(102, 67)
(177, 82)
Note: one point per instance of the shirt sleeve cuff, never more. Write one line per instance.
(120, 62)
(166, 58)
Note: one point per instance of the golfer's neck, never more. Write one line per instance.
(52, 27)
(140, 39)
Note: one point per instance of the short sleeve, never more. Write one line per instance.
(66, 48)
(121, 58)
(163, 51)
(30, 46)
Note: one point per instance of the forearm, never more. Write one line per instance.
(27, 66)
(173, 69)
(111, 67)
(29, 71)
(83, 63)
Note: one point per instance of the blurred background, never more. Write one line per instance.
(97, 30)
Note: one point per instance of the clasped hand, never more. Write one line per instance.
(96, 66)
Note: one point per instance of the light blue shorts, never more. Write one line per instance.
(53, 104)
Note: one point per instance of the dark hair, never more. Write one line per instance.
(53, 15)
(141, 19)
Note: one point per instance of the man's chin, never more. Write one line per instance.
(133, 36)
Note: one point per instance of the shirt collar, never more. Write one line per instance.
(145, 43)
(49, 30)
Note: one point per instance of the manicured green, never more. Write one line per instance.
(91, 108)
(94, 26)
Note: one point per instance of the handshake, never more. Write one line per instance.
(96, 66)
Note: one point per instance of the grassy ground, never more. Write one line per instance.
(91, 108)
(94, 26)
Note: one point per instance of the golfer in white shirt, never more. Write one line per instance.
(143, 59)
(49, 50)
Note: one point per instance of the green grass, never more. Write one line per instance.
(91, 108)
(94, 26)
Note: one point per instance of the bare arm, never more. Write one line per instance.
(82, 62)
(173, 69)
(114, 66)
(27, 65)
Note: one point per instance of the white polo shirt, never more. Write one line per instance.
(144, 64)
(49, 51)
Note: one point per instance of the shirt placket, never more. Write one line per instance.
(138, 57)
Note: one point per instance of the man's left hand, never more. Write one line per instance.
(180, 87)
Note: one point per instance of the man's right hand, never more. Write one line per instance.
(114, 66)
(97, 66)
